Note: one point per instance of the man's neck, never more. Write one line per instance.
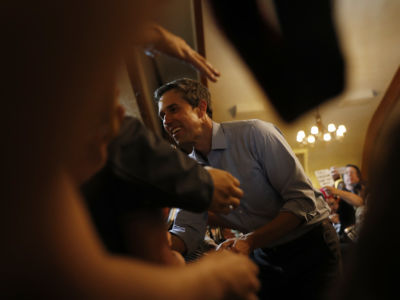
(204, 142)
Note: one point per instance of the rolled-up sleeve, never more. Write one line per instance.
(285, 172)
(190, 227)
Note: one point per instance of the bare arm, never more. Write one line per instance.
(349, 197)
(160, 40)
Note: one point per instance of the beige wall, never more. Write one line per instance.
(370, 41)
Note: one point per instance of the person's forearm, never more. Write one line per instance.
(150, 35)
(281, 225)
(350, 198)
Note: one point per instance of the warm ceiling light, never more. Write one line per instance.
(311, 139)
(342, 128)
(314, 130)
(327, 137)
(300, 136)
(331, 127)
(320, 132)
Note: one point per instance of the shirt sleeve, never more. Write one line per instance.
(285, 173)
(191, 228)
(140, 157)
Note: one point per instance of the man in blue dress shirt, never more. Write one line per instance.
(283, 218)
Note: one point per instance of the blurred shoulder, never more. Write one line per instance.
(249, 125)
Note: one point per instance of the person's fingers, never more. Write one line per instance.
(228, 206)
(213, 69)
(225, 245)
(233, 203)
(236, 192)
(200, 63)
(236, 181)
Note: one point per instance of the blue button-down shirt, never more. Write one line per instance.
(270, 175)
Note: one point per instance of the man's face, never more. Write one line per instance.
(180, 120)
(350, 176)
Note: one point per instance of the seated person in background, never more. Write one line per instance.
(285, 220)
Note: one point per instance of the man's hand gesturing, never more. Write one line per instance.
(227, 192)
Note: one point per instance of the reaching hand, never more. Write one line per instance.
(227, 193)
(334, 173)
(330, 190)
(243, 244)
(230, 275)
(167, 43)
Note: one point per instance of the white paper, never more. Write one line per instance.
(324, 177)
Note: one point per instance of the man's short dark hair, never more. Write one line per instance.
(192, 91)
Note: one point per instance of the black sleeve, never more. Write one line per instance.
(346, 214)
(139, 157)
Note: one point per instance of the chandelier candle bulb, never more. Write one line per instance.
(327, 137)
(300, 136)
(311, 139)
(331, 127)
(342, 128)
(319, 132)
(314, 130)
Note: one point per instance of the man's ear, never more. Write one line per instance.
(202, 107)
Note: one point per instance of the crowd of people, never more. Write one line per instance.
(347, 200)
(80, 178)
(64, 107)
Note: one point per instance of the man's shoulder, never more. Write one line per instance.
(247, 125)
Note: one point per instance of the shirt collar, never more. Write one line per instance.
(218, 137)
(218, 142)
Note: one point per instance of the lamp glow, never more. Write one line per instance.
(331, 127)
(339, 133)
(318, 132)
(327, 137)
(301, 134)
(311, 139)
(314, 130)
(342, 128)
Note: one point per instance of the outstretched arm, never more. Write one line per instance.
(349, 197)
(159, 40)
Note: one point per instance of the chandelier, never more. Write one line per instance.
(319, 132)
